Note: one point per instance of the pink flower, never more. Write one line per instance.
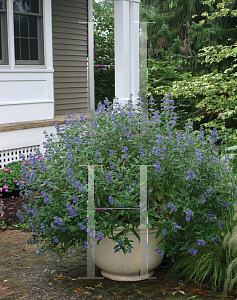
(5, 187)
(0, 190)
(10, 171)
(23, 163)
(0, 195)
(15, 180)
(12, 197)
(4, 180)
(41, 158)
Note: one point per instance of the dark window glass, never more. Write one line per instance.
(34, 6)
(33, 26)
(17, 25)
(24, 49)
(1, 4)
(24, 26)
(21, 5)
(28, 27)
(33, 49)
(17, 48)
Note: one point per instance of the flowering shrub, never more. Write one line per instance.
(189, 190)
(9, 177)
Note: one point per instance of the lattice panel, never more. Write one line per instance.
(8, 156)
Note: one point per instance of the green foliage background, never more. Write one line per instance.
(103, 16)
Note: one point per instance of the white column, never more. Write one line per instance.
(10, 33)
(134, 48)
(47, 34)
(121, 36)
(91, 88)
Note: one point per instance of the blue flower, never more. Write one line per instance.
(193, 251)
(159, 252)
(165, 232)
(134, 183)
(111, 200)
(191, 175)
(100, 236)
(70, 251)
(200, 242)
(221, 225)
(214, 239)
(111, 165)
(177, 227)
(111, 152)
(203, 200)
(120, 175)
(199, 155)
(125, 149)
(172, 207)
(189, 213)
(109, 177)
(158, 168)
(188, 185)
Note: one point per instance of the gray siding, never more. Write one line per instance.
(70, 55)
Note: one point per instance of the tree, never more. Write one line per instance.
(103, 16)
(214, 93)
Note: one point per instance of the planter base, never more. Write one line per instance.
(125, 267)
(126, 278)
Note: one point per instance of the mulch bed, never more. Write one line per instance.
(11, 207)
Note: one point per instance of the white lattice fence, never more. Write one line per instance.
(8, 156)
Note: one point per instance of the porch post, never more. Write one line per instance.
(134, 48)
(126, 34)
(121, 36)
(91, 88)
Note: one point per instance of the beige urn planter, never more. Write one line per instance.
(125, 267)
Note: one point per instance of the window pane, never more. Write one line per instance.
(24, 49)
(33, 27)
(33, 49)
(17, 48)
(1, 4)
(17, 25)
(35, 6)
(21, 5)
(24, 26)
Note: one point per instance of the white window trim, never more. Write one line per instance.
(47, 39)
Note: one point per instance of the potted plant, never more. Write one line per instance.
(187, 188)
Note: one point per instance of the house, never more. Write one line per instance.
(47, 66)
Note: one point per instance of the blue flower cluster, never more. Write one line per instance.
(172, 207)
(189, 214)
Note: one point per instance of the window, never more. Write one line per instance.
(3, 33)
(28, 31)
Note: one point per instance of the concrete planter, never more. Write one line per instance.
(125, 267)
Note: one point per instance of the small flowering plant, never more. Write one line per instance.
(9, 177)
(189, 189)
